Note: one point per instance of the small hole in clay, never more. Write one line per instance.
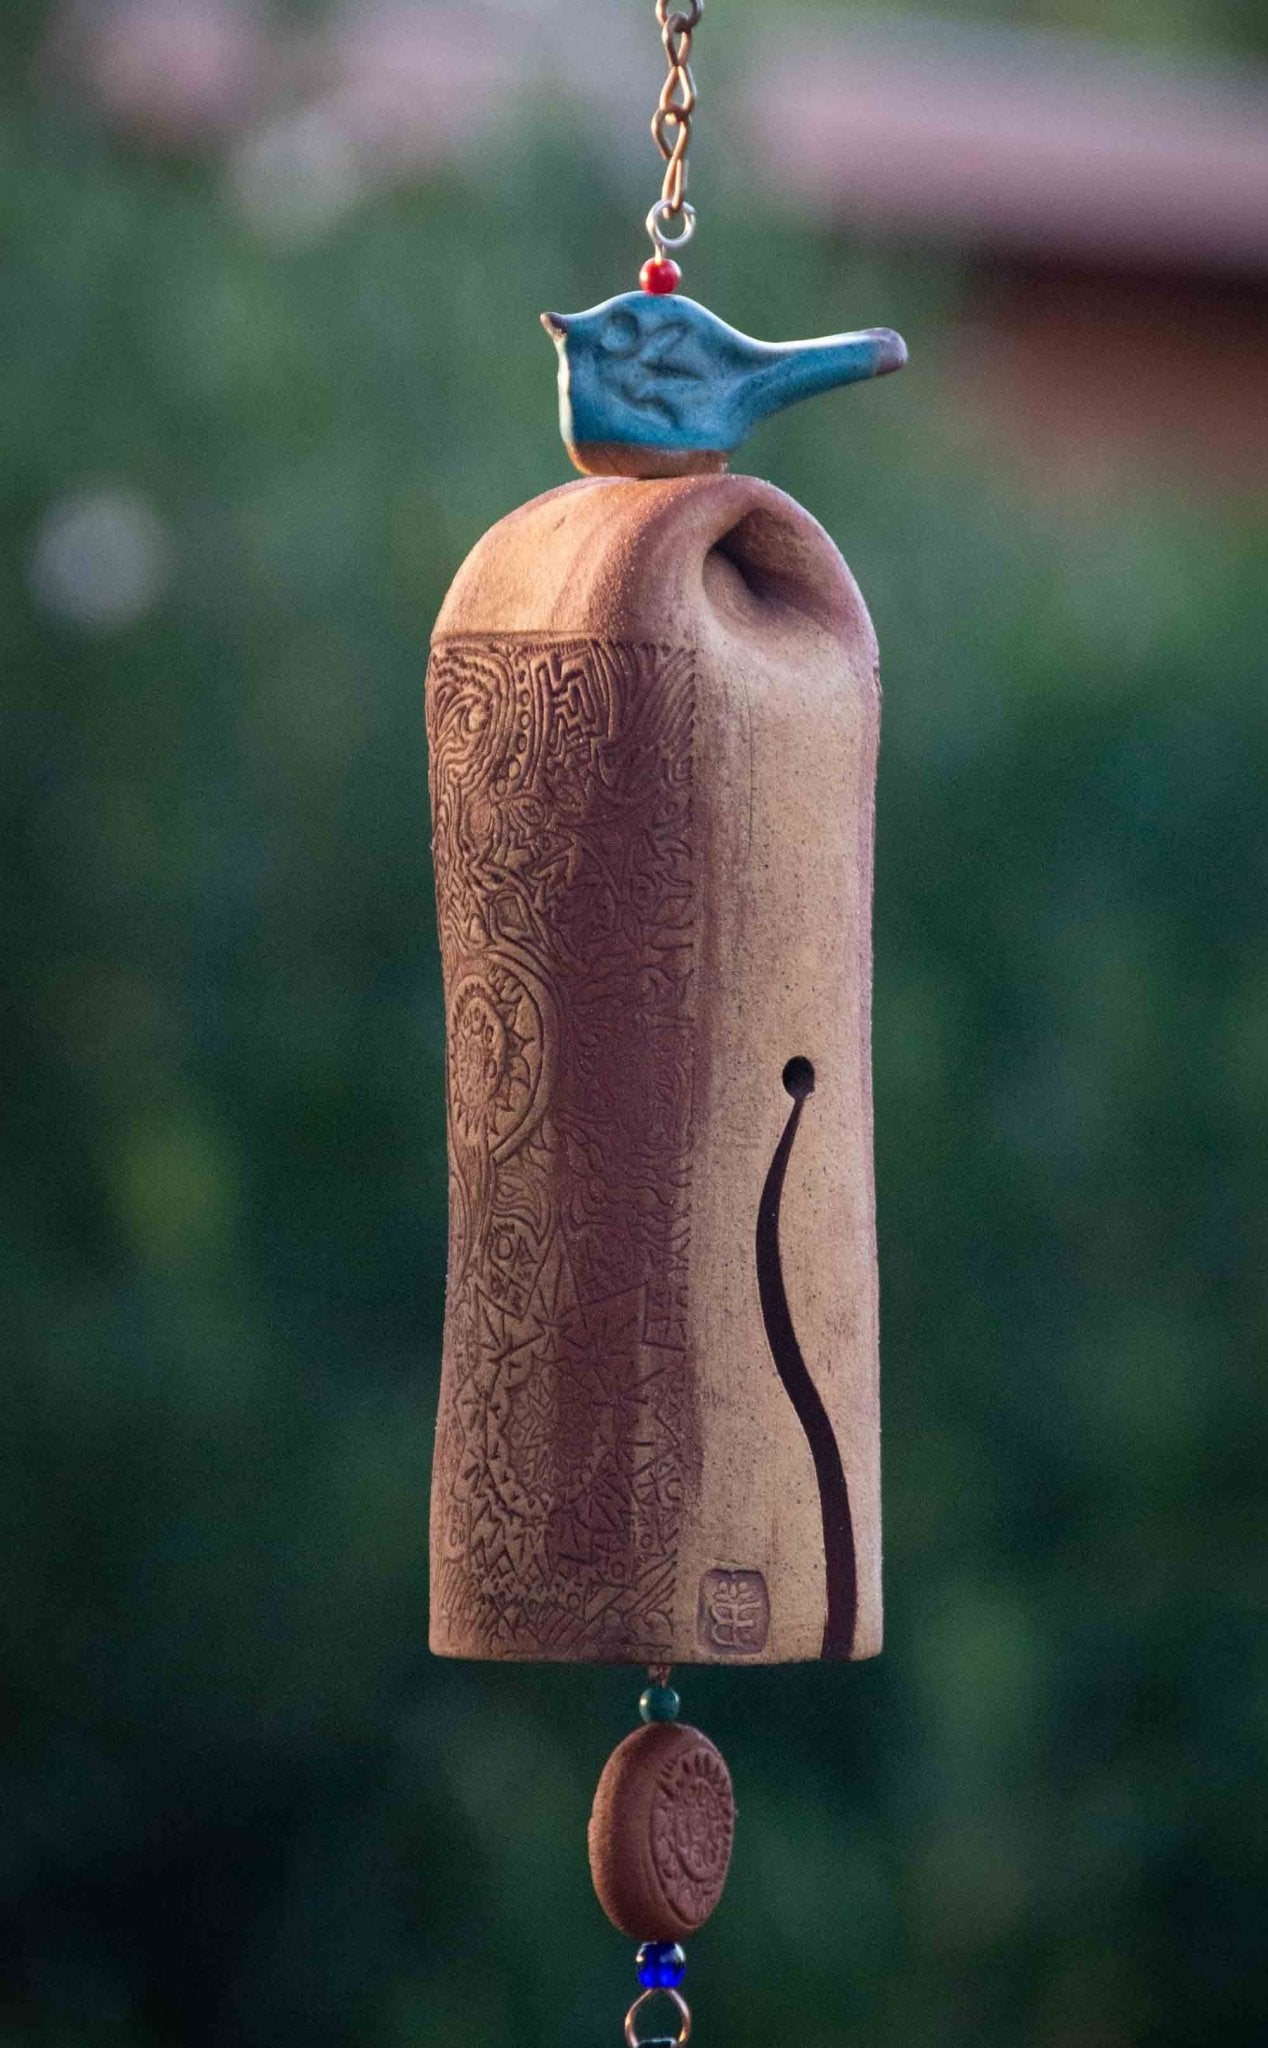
(799, 1078)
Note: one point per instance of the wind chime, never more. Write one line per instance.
(652, 710)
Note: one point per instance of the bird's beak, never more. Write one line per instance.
(556, 325)
(891, 350)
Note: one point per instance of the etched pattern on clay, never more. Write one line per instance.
(561, 789)
(692, 1826)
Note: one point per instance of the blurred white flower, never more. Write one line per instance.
(101, 559)
(297, 176)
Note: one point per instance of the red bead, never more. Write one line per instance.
(660, 274)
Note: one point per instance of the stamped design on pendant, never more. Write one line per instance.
(693, 1819)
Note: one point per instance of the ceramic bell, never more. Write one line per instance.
(652, 709)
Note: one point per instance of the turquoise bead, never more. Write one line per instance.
(659, 1703)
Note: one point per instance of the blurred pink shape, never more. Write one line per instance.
(409, 84)
(383, 90)
(370, 89)
(174, 73)
(1018, 139)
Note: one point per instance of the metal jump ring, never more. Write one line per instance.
(683, 2035)
(689, 16)
(664, 211)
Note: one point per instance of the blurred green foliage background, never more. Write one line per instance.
(241, 1804)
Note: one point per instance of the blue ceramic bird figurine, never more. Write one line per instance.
(657, 386)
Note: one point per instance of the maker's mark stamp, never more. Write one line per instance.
(734, 1613)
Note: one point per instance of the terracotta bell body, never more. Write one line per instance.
(652, 709)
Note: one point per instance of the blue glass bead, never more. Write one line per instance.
(661, 1965)
(659, 1703)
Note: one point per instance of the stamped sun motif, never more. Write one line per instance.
(496, 1046)
(692, 1827)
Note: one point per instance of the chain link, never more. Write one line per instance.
(671, 125)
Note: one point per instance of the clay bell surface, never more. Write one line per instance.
(652, 713)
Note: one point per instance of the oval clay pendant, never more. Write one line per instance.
(661, 1832)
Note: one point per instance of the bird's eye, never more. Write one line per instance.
(619, 336)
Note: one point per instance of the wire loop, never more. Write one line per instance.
(678, 2040)
(663, 212)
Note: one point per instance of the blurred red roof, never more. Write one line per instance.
(1018, 140)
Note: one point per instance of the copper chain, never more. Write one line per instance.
(671, 124)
